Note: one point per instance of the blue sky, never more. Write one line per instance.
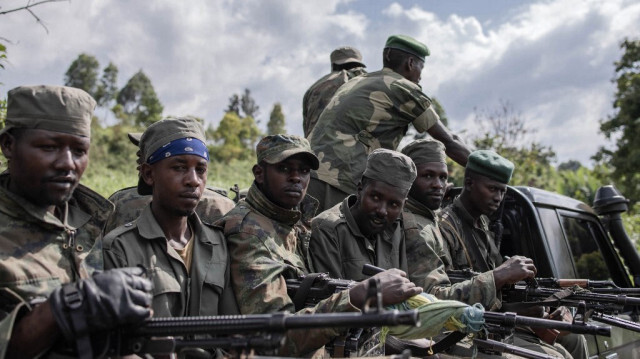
(551, 60)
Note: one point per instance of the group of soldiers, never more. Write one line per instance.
(74, 265)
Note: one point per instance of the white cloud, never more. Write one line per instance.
(552, 59)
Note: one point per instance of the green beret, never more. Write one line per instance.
(391, 167)
(490, 164)
(161, 133)
(52, 108)
(425, 151)
(408, 44)
(345, 55)
(277, 148)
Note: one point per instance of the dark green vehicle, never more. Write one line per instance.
(568, 239)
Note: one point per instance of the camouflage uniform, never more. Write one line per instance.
(371, 111)
(39, 253)
(265, 250)
(203, 290)
(420, 227)
(129, 204)
(470, 244)
(320, 93)
(340, 249)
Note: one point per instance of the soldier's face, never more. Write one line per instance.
(415, 70)
(430, 183)
(485, 195)
(284, 183)
(377, 207)
(178, 183)
(45, 166)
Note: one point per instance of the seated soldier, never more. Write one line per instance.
(129, 203)
(366, 227)
(53, 297)
(265, 236)
(469, 244)
(187, 259)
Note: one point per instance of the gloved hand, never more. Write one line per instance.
(104, 301)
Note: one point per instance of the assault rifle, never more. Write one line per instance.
(239, 332)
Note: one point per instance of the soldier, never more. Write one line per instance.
(366, 227)
(129, 203)
(188, 258)
(346, 63)
(373, 111)
(52, 293)
(469, 243)
(264, 236)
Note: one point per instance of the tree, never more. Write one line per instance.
(276, 121)
(83, 73)
(624, 124)
(236, 137)
(137, 102)
(248, 105)
(234, 104)
(28, 7)
(107, 89)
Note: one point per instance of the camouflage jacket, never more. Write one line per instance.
(265, 251)
(204, 290)
(320, 93)
(129, 204)
(425, 253)
(340, 249)
(370, 111)
(38, 252)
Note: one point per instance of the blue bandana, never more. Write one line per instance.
(181, 146)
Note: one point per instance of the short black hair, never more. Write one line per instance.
(347, 66)
(394, 58)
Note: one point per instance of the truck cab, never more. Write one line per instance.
(567, 238)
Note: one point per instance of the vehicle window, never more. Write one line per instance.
(587, 256)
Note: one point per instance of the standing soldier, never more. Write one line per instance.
(264, 235)
(374, 111)
(346, 63)
(187, 258)
(52, 293)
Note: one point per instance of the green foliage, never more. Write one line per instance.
(236, 137)
(108, 88)
(137, 102)
(625, 124)
(3, 55)
(83, 73)
(276, 121)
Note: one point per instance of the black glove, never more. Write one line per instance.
(106, 300)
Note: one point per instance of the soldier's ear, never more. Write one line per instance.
(7, 142)
(468, 181)
(258, 173)
(146, 171)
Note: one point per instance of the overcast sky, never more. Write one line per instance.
(552, 60)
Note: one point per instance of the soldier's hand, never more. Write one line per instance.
(515, 269)
(104, 301)
(395, 286)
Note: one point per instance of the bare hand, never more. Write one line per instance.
(395, 286)
(513, 270)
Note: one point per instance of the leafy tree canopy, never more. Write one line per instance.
(137, 102)
(83, 73)
(276, 123)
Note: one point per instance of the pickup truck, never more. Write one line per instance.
(567, 238)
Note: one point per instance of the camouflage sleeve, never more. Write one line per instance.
(11, 306)
(324, 250)
(413, 103)
(260, 287)
(479, 289)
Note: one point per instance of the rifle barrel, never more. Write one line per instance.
(506, 348)
(270, 322)
(512, 319)
(619, 299)
(617, 322)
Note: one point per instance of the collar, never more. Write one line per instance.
(150, 229)
(264, 206)
(466, 217)
(418, 208)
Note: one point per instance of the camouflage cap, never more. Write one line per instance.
(408, 44)
(491, 165)
(161, 133)
(390, 167)
(346, 54)
(53, 108)
(277, 148)
(134, 137)
(425, 151)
